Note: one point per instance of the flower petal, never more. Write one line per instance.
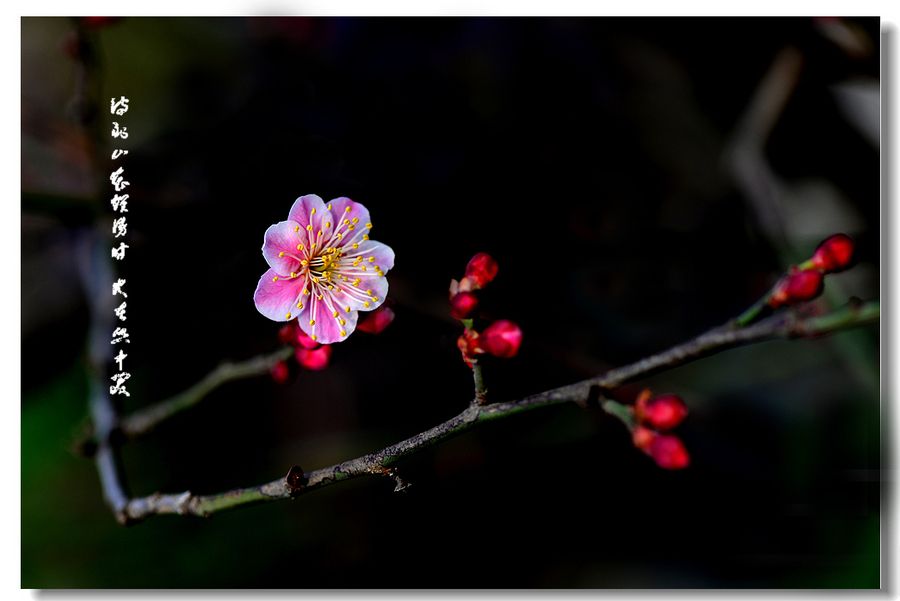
(277, 297)
(351, 220)
(360, 290)
(326, 322)
(372, 254)
(280, 247)
(310, 212)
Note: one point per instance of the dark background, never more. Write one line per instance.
(594, 158)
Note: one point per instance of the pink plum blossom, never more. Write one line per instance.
(323, 268)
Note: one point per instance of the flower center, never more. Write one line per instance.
(323, 265)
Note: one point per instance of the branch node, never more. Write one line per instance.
(182, 503)
(295, 480)
(592, 401)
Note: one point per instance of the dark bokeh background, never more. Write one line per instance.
(600, 161)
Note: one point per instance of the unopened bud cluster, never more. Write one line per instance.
(502, 338)
(311, 355)
(654, 417)
(806, 281)
(308, 353)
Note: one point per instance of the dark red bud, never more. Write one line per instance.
(288, 333)
(303, 340)
(482, 268)
(834, 254)
(663, 412)
(376, 321)
(279, 372)
(669, 453)
(463, 304)
(797, 286)
(501, 339)
(314, 359)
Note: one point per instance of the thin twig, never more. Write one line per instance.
(145, 420)
(784, 325)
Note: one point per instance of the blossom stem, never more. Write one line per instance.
(753, 312)
(480, 390)
(716, 339)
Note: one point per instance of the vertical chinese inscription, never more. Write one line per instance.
(119, 202)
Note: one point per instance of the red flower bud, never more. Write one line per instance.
(279, 372)
(663, 412)
(376, 321)
(501, 339)
(288, 333)
(463, 304)
(643, 437)
(293, 335)
(796, 287)
(668, 452)
(482, 268)
(834, 254)
(314, 359)
(301, 339)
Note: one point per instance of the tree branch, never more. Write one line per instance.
(785, 325)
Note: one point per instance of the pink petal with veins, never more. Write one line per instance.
(310, 210)
(280, 247)
(276, 297)
(327, 322)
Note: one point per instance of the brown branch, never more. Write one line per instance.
(379, 463)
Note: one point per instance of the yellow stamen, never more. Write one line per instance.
(312, 322)
(281, 254)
